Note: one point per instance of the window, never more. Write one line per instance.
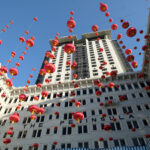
(139, 107)
(96, 144)
(135, 85)
(145, 122)
(129, 86)
(48, 131)
(105, 144)
(91, 100)
(92, 112)
(84, 91)
(138, 141)
(140, 94)
(146, 106)
(122, 86)
(94, 127)
(132, 124)
(79, 129)
(90, 91)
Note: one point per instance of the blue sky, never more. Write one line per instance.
(52, 17)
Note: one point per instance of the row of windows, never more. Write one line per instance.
(105, 144)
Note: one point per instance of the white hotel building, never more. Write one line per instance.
(134, 112)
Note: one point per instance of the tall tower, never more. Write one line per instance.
(88, 58)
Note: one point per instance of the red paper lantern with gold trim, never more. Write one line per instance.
(78, 116)
(71, 23)
(103, 7)
(30, 42)
(13, 71)
(50, 68)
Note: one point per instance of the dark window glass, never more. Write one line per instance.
(105, 144)
(79, 129)
(84, 91)
(129, 124)
(135, 142)
(135, 124)
(86, 145)
(92, 112)
(135, 85)
(118, 126)
(114, 111)
(94, 127)
(85, 130)
(145, 122)
(64, 131)
(96, 144)
(130, 109)
(80, 145)
(39, 133)
(109, 112)
(122, 142)
(116, 143)
(141, 141)
(139, 107)
(69, 130)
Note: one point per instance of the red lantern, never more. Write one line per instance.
(68, 63)
(13, 71)
(72, 125)
(111, 85)
(103, 115)
(145, 48)
(40, 110)
(128, 51)
(33, 117)
(72, 100)
(14, 118)
(114, 27)
(49, 55)
(137, 39)
(3, 30)
(47, 80)
(26, 32)
(110, 20)
(78, 104)
(21, 57)
(133, 129)
(110, 138)
(44, 94)
(9, 132)
(103, 7)
(131, 32)
(121, 42)
(58, 104)
(107, 128)
(109, 102)
(101, 104)
(7, 141)
(42, 72)
(35, 145)
(50, 68)
(35, 18)
(22, 97)
(122, 98)
(54, 49)
(11, 22)
(119, 36)
(22, 39)
(74, 65)
(78, 116)
(13, 54)
(69, 37)
(141, 31)
(54, 143)
(121, 20)
(72, 13)
(125, 25)
(101, 50)
(33, 109)
(69, 48)
(101, 139)
(96, 82)
(123, 47)
(140, 75)
(95, 28)
(71, 23)
(104, 63)
(134, 64)
(99, 84)
(114, 119)
(147, 135)
(130, 58)
(36, 98)
(30, 42)
(113, 73)
(3, 69)
(0, 42)
(107, 14)
(3, 95)
(75, 76)
(147, 88)
(57, 113)
(9, 83)
(76, 86)
(72, 93)
(98, 93)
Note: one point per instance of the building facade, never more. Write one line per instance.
(129, 120)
